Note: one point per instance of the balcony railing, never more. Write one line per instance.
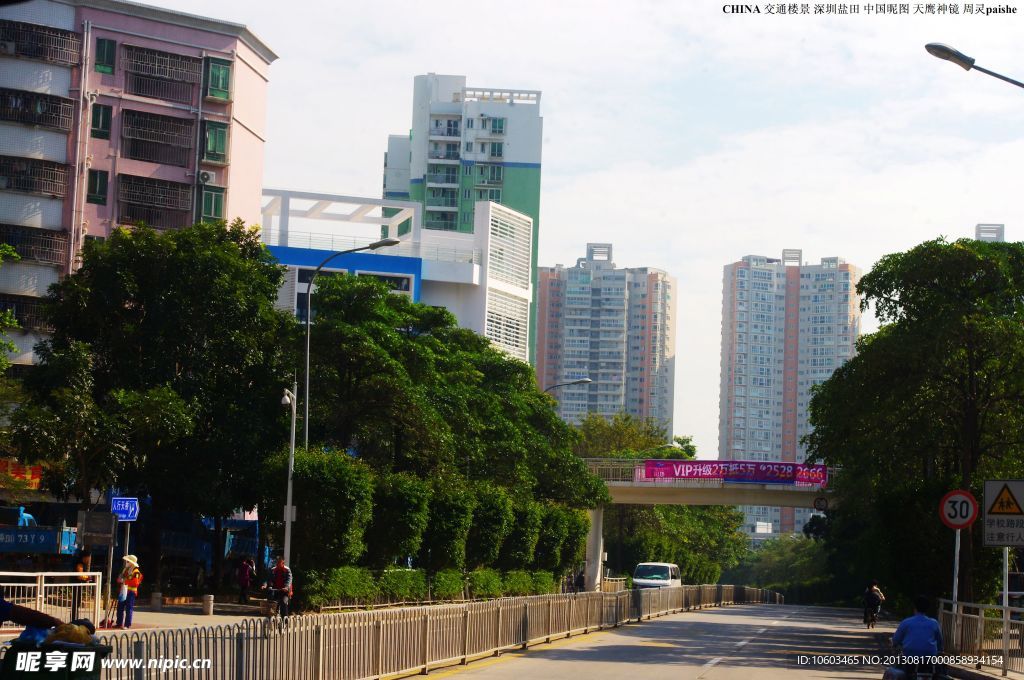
(34, 108)
(445, 132)
(158, 218)
(165, 65)
(447, 225)
(442, 179)
(39, 245)
(141, 150)
(444, 155)
(152, 127)
(158, 88)
(33, 176)
(40, 42)
(488, 182)
(331, 242)
(443, 201)
(155, 193)
(27, 310)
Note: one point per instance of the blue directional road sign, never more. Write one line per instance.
(126, 509)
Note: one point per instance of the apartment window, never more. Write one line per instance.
(218, 79)
(498, 126)
(469, 123)
(213, 204)
(106, 54)
(216, 147)
(497, 149)
(483, 147)
(489, 195)
(101, 114)
(467, 193)
(469, 147)
(97, 190)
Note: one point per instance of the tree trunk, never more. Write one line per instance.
(155, 545)
(218, 552)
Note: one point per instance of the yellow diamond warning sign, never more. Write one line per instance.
(1004, 514)
(1005, 503)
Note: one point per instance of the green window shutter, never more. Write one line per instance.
(106, 55)
(213, 204)
(216, 148)
(218, 79)
(101, 115)
(97, 188)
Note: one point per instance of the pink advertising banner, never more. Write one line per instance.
(753, 472)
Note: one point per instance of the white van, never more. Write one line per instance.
(656, 575)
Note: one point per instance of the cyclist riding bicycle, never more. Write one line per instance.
(873, 599)
(920, 640)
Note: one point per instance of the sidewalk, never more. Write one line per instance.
(173, 616)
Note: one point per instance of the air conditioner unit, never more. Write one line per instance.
(205, 177)
(8, 47)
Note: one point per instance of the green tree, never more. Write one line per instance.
(931, 402)
(518, 549)
(334, 505)
(192, 311)
(492, 520)
(401, 502)
(451, 513)
(554, 530)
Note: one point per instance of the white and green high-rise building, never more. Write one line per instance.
(469, 144)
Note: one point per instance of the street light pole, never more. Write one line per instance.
(289, 400)
(383, 243)
(947, 53)
(581, 381)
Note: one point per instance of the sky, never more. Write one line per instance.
(686, 136)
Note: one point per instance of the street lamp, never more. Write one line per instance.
(289, 400)
(963, 61)
(383, 243)
(581, 381)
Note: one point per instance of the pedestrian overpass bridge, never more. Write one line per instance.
(628, 484)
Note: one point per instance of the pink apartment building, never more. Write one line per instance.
(114, 113)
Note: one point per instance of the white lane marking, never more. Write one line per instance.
(708, 666)
(741, 643)
(761, 630)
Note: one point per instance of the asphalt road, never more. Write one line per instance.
(731, 643)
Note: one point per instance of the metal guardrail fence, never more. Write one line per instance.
(613, 585)
(61, 594)
(372, 644)
(992, 633)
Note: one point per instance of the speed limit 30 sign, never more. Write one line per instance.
(958, 509)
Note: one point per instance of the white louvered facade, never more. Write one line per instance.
(508, 323)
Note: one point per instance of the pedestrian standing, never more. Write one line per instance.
(245, 575)
(78, 586)
(130, 579)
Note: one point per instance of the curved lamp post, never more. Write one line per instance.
(581, 381)
(383, 243)
(947, 53)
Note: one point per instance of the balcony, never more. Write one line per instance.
(161, 75)
(443, 179)
(443, 201)
(158, 218)
(445, 132)
(33, 176)
(444, 225)
(158, 139)
(54, 45)
(38, 245)
(443, 155)
(28, 311)
(33, 108)
(489, 182)
(156, 193)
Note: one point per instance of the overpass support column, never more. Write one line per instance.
(595, 550)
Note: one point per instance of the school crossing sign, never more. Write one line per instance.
(1004, 513)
